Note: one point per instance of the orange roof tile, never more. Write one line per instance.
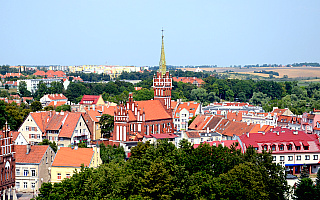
(57, 103)
(35, 155)
(200, 122)
(70, 124)
(236, 128)
(14, 135)
(154, 110)
(93, 114)
(193, 134)
(55, 122)
(191, 107)
(42, 118)
(67, 157)
(57, 96)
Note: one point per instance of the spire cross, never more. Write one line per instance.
(162, 31)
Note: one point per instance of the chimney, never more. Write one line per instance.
(207, 129)
(28, 148)
(55, 102)
(102, 108)
(93, 107)
(248, 134)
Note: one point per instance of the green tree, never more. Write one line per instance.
(23, 91)
(305, 190)
(63, 108)
(106, 123)
(304, 172)
(143, 94)
(53, 144)
(56, 87)
(36, 106)
(111, 153)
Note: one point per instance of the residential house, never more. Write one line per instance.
(18, 138)
(53, 99)
(154, 138)
(64, 128)
(33, 164)
(224, 143)
(88, 100)
(290, 148)
(290, 122)
(193, 80)
(260, 118)
(32, 84)
(309, 121)
(184, 112)
(69, 159)
(224, 107)
(210, 136)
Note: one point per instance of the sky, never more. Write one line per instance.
(128, 32)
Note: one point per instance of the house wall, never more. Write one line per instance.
(100, 101)
(30, 129)
(28, 179)
(80, 132)
(64, 171)
(20, 140)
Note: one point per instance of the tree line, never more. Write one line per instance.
(163, 171)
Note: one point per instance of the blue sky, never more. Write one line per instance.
(128, 32)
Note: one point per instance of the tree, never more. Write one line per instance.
(53, 144)
(305, 190)
(106, 123)
(23, 91)
(111, 153)
(199, 94)
(63, 108)
(36, 106)
(191, 120)
(6, 87)
(304, 172)
(56, 87)
(143, 94)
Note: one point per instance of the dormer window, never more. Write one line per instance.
(265, 147)
(290, 147)
(281, 148)
(306, 147)
(273, 147)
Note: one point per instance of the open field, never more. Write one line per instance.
(292, 72)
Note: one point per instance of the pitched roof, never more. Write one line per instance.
(57, 103)
(200, 122)
(70, 124)
(236, 128)
(193, 134)
(55, 122)
(278, 136)
(191, 107)
(14, 135)
(42, 118)
(39, 73)
(93, 114)
(153, 109)
(188, 80)
(56, 96)
(34, 156)
(68, 157)
(91, 98)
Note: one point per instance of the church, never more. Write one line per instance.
(134, 119)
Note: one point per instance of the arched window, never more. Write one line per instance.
(281, 148)
(265, 147)
(273, 147)
(290, 147)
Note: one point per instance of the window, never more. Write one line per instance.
(25, 185)
(33, 185)
(80, 123)
(265, 147)
(17, 171)
(290, 158)
(281, 158)
(273, 148)
(32, 135)
(38, 136)
(68, 175)
(59, 176)
(47, 160)
(307, 157)
(17, 185)
(25, 172)
(298, 147)
(290, 147)
(32, 128)
(306, 147)
(315, 157)
(33, 172)
(281, 148)
(274, 158)
(27, 128)
(298, 157)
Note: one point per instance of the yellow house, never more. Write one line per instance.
(69, 159)
(88, 100)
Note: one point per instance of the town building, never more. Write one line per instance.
(7, 164)
(69, 159)
(193, 80)
(32, 84)
(154, 138)
(89, 100)
(53, 99)
(18, 138)
(184, 112)
(50, 74)
(309, 121)
(290, 148)
(224, 107)
(64, 128)
(33, 164)
(135, 119)
(290, 122)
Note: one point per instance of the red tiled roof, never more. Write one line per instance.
(236, 128)
(153, 109)
(55, 122)
(137, 88)
(191, 107)
(93, 114)
(42, 118)
(57, 103)
(193, 134)
(39, 73)
(93, 98)
(173, 104)
(200, 122)
(35, 155)
(67, 157)
(56, 96)
(14, 135)
(285, 136)
(70, 124)
(188, 80)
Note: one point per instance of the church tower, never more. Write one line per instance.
(162, 82)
